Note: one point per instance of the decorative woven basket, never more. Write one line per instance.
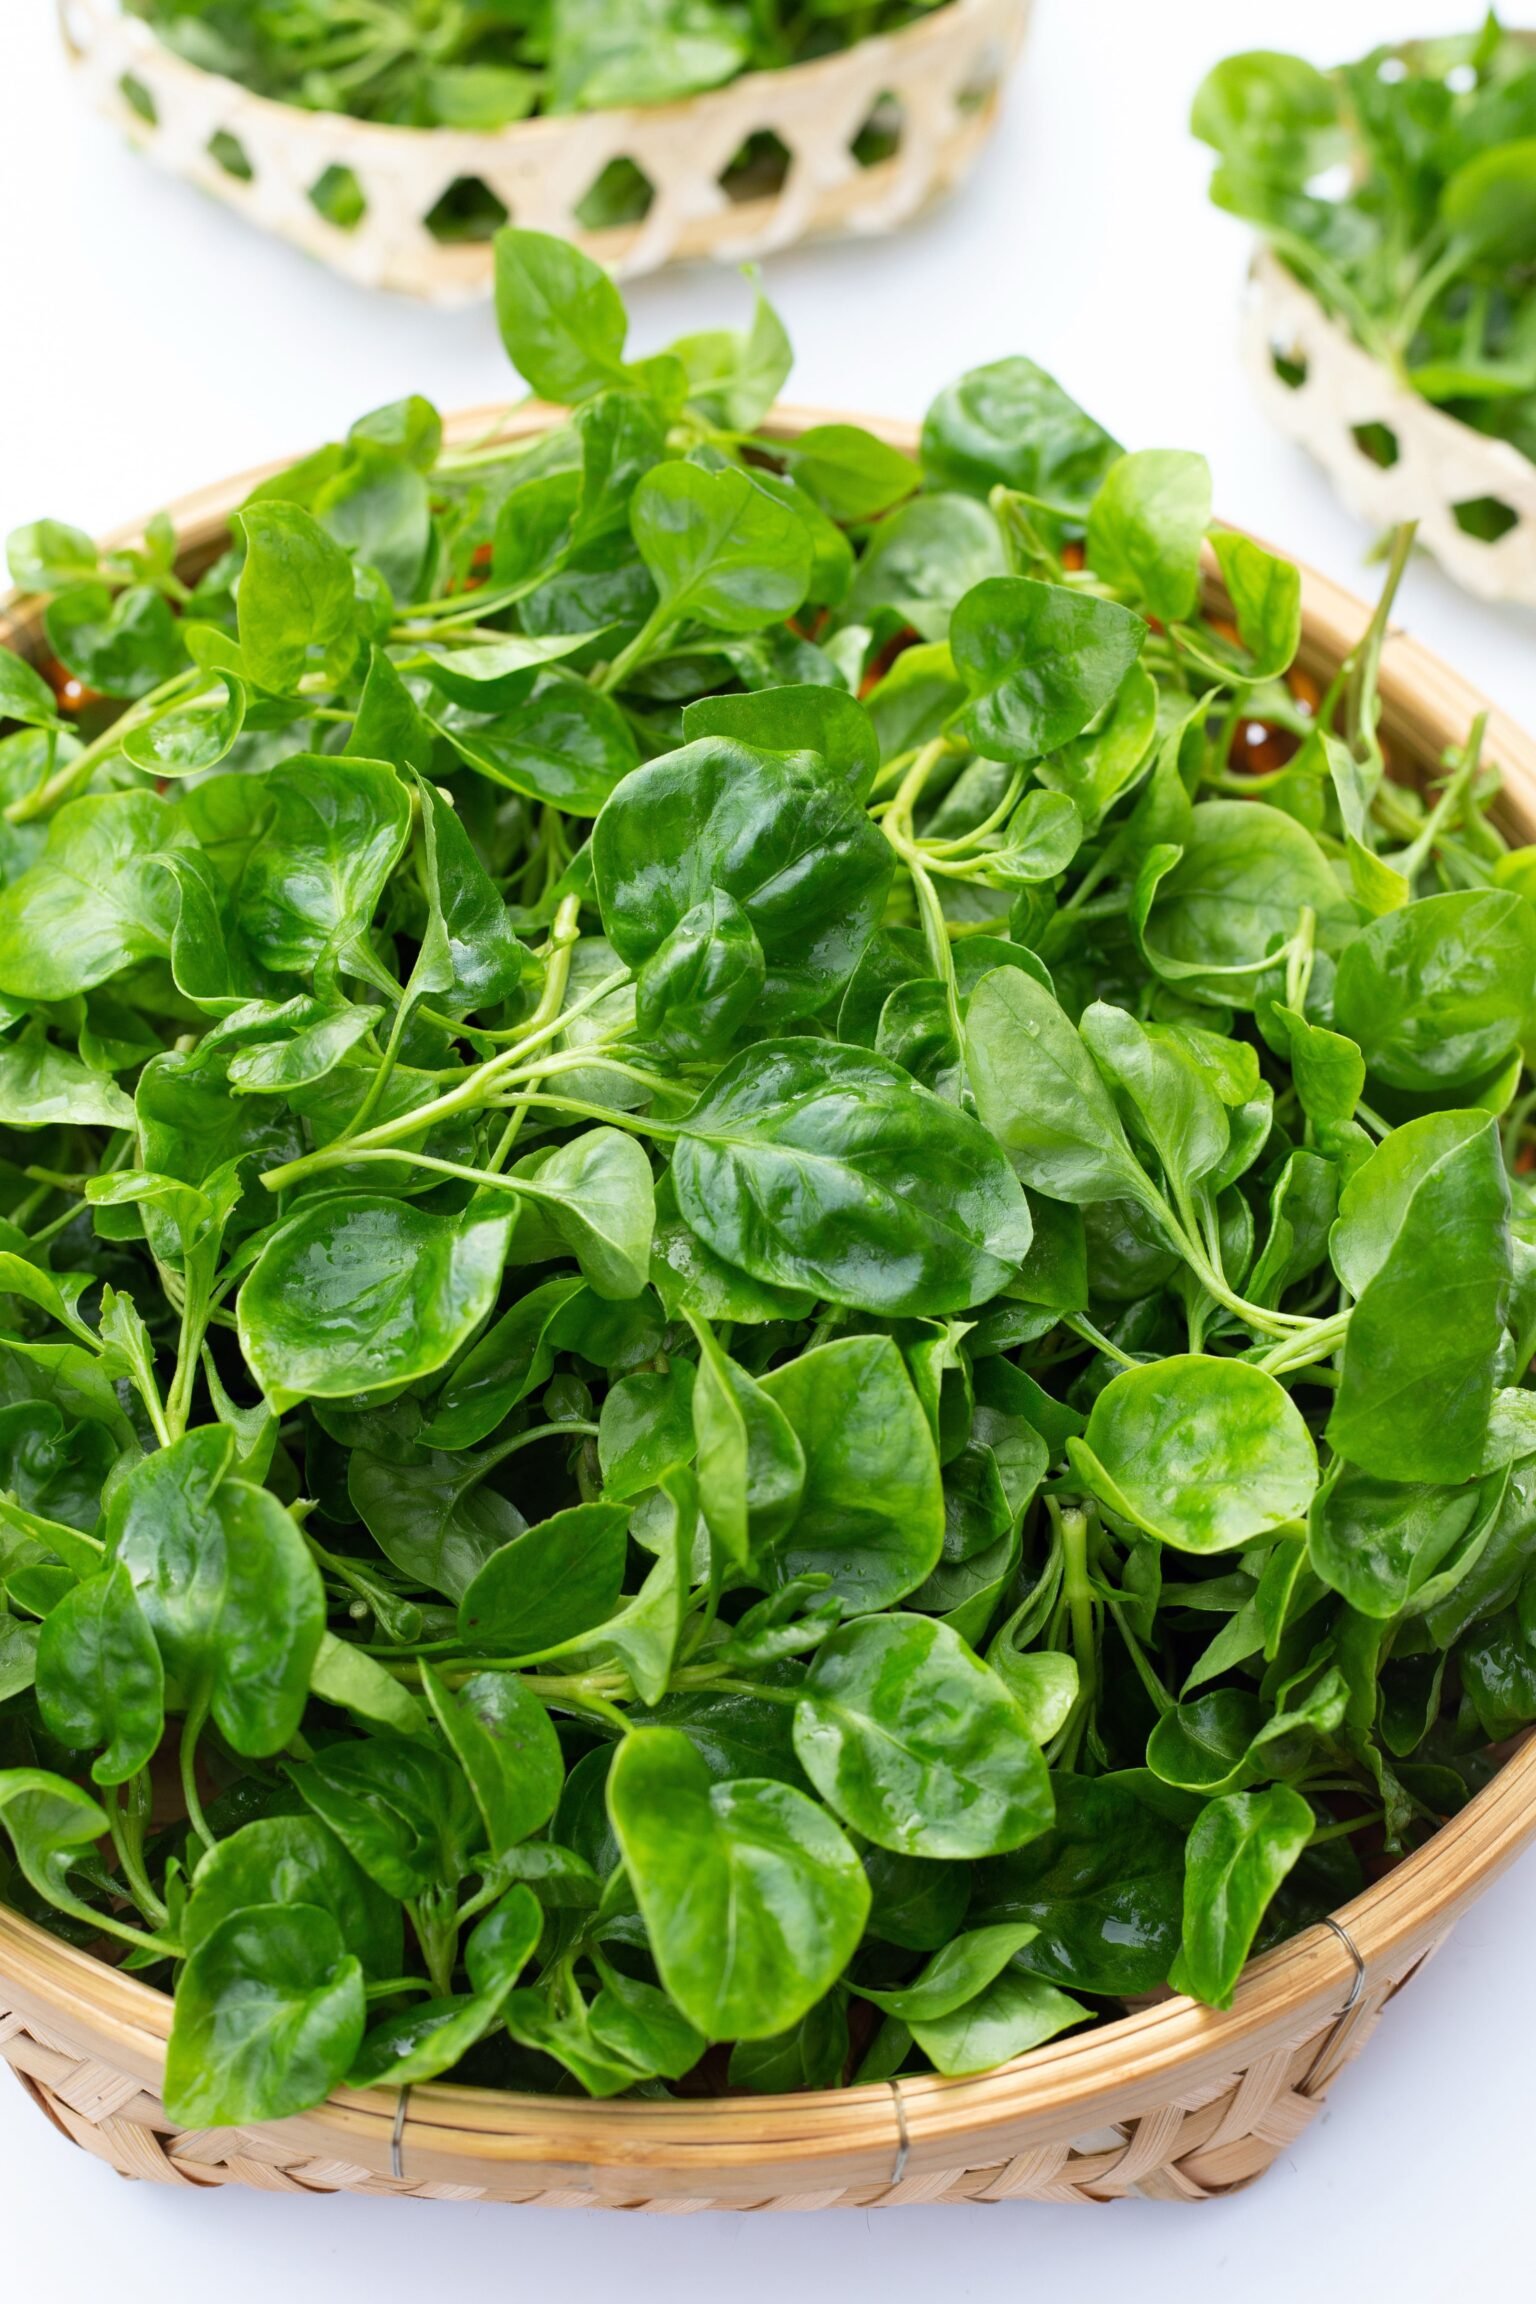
(1320, 388)
(1178, 2102)
(930, 92)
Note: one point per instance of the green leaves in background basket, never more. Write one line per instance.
(1402, 190)
(740, 1308)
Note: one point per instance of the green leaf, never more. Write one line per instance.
(1146, 526)
(1038, 661)
(95, 902)
(1040, 1095)
(1423, 1241)
(399, 1806)
(269, 2016)
(720, 549)
(294, 1860)
(826, 721)
(227, 1584)
(1012, 2015)
(507, 1747)
(919, 1746)
(100, 1681)
(561, 1579)
(1011, 425)
(1240, 1850)
(779, 834)
(823, 1167)
(1436, 993)
(356, 1293)
(752, 1898)
(870, 1516)
(1206, 1455)
(1102, 1888)
(296, 604)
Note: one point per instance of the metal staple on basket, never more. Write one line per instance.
(1390, 454)
(935, 86)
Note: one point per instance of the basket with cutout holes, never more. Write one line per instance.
(1391, 454)
(1176, 2101)
(855, 142)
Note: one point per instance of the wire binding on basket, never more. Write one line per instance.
(1390, 454)
(397, 2135)
(903, 2136)
(938, 82)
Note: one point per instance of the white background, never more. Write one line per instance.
(150, 342)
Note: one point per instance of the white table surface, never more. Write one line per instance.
(152, 342)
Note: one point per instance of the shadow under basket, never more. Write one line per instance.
(855, 142)
(1391, 454)
(1176, 2102)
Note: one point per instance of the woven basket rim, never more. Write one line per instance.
(1269, 274)
(544, 126)
(1059, 2090)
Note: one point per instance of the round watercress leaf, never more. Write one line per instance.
(826, 721)
(870, 1512)
(1234, 896)
(921, 562)
(269, 2016)
(1204, 1454)
(600, 1198)
(336, 831)
(720, 549)
(965, 1966)
(230, 1589)
(702, 982)
(1423, 1240)
(562, 1578)
(506, 1746)
(917, 1745)
(190, 738)
(818, 1166)
(1240, 1850)
(1039, 1093)
(399, 1806)
(436, 1519)
(564, 744)
(96, 901)
(356, 1293)
(1146, 526)
(1102, 1887)
(295, 1860)
(1489, 203)
(42, 1086)
(561, 318)
(1038, 661)
(779, 833)
(296, 602)
(1012, 2015)
(100, 1681)
(1375, 1542)
(1436, 992)
(512, 1359)
(1010, 423)
(753, 1900)
(120, 644)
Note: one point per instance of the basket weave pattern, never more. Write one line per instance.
(1174, 2102)
(1441, 463)
(938, 82)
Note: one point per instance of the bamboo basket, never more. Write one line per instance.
(934, 86)
(1176, 2102)
(1320, 388)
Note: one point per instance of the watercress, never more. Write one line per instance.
(1402, 190)
(765, 1308)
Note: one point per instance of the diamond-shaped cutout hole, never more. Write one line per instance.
(880, 137)
(469, 210)
(231, 156)
(339, 198)
(1378, 442)
(622, 194)
(981, 83)
(138, 99)
(759, 170)
(1290, 367)
(1485, 517)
